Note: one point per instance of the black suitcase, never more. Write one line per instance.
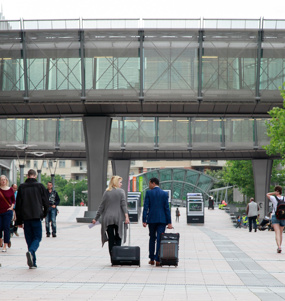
(126, 255)
(169, 246)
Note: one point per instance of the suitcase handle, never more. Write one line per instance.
(123, 234)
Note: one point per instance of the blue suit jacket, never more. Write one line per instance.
(156, 207)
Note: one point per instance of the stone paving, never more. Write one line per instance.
(217, 262)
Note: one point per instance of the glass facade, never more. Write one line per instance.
(140, 133)
(178, 181)
(175, 60)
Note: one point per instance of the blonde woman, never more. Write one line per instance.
(113, 212)
(7, 201)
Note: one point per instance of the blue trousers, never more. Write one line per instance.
(155, 230)
(33, 236)
(5, 221)
(51, 217)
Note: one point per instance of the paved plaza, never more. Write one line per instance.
(217, 262)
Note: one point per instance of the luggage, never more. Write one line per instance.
(125, 255)
(169, 246)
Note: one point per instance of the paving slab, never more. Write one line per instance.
(216, 262)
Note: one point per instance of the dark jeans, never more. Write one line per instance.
(51, 217)
(5, 221)
(250, 220)
(33, 236)
(155, 230)
(113, 236)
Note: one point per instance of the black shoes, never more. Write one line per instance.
(29, 260)
(53, 235)
(48, 234)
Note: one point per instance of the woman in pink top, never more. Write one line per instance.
(7, 201)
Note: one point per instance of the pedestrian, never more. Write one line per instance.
(278, 225)
(31, 207)
(52, 210)
(177, 213)
(244, 220)
(15, 227)
(113, 212)
(7, 201)
(238, 225)
(156, 214)
(251, 211)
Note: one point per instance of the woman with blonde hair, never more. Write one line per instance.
(7, 201)
(113, 212)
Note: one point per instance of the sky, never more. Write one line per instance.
(112, 9)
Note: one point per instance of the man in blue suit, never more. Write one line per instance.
(157, 215)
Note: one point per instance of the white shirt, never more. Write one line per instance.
(274, 202)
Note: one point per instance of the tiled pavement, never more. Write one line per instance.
(217, 262)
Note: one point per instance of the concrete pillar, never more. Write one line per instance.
(122, 168)
(97, 137)
(262, 173)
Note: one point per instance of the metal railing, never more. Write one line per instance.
(198, 23)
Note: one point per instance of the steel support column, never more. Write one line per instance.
(200, 54)
(258, 64)
(141, 40)
(24, 57)
(82, 57)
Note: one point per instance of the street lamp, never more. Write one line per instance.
(74, 183)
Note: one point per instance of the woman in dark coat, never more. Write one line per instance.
(113, 212)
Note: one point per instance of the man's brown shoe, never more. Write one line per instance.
(151, 262)
(157, 264)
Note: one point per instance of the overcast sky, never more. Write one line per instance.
(66, 9)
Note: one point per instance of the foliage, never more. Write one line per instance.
(64, 189)
(276, 129)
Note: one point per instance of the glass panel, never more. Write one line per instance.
(206, 133)
(12, 131)
(112, 63)
(54, 64)
(71, 133)
(139, 133)
(263, 139)
(173, 133)
(229, 63)
(239, 133)
(192, 177)
(170, 65)
(165, 174)
(11, 65)
(42, 132)
(178, 175)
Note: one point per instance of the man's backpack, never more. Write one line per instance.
(280, 209)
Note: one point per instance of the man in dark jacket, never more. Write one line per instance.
(31, 207)
(156, 214)
(52, 211)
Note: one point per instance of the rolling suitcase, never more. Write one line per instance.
(126, 255)
(169, 246)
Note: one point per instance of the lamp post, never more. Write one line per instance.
(74, 183)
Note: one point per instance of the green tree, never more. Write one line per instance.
(276, 129)
(79, 187)
(240, 173)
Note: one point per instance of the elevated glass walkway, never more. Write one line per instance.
(137, 137)
(128, 67)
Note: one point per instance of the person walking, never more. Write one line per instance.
(278, 225)
(156, 214)
(177, 214)
(31, 207)
(52, 211)
(113, 212)
(7, 201)
(251, 211)
(15, 227)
